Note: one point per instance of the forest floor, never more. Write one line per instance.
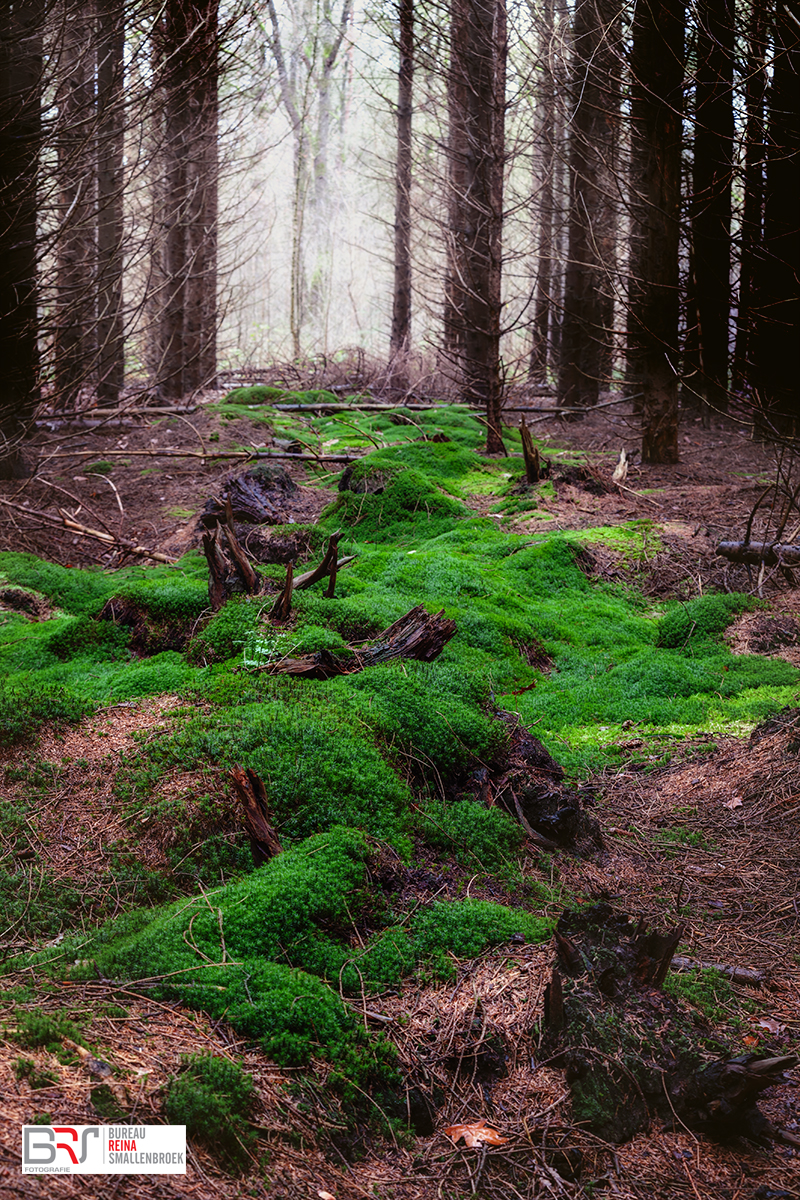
(704, 831)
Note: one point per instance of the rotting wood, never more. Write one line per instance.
(654, 953)
(417, 635)
(226, 576)
(771, 554)
(123, 545)
(250, 789)
(554, 1003)
(283, 604)
(735, 974)
(533, 467)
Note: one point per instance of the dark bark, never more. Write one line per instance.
(401, 307)
(417, 635)
(588, 299)
(20, 139)
(476, 105)
(656, 105)
(753, 206)
(110, 133)
(252, 794)
(711, 199)
(777, 348)
(190, 86)
(544, 182)
(73, 341)
(770, 553)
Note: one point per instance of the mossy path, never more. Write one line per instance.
(125, 859)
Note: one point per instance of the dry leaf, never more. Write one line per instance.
(475, 1134)
(326, 1196)
(750, 1040)
(771, 1025)
(734, 802)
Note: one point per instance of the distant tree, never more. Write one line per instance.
(657, 73)
(476, 160)
(305, 67)
(21, 66)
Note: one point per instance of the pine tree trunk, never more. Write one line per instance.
(110, 127)
(656, 105)
(588, 315)
(477, 106)
(73, 342)
(544, 149)
(21, 61)
(711, 198)
(777, 350)
(190, 65)
(401, 306)
(753, 205)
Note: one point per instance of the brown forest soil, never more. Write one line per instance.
(732, 876)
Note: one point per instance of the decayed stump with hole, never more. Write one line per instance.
(631, 1052)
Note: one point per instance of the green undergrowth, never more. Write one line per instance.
(390, 752)
(214, 1098)
(275, 953)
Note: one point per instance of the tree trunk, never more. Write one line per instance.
(73, 342)
(477, 108)
(711, 198)
(588, 298)
(776, 357)
(656, 106)
(401, 306)
(545, 152)
(753, 206)
(190, 66)
(21, 61)
(110, 132)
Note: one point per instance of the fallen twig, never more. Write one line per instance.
(67, 522)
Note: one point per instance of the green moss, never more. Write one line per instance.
(25, 708)
(409, 501)
(214, 1098)
(471, 832)
(26, 1068)
(99, 468)
(467, 927)
(708, 991)
(702, 619)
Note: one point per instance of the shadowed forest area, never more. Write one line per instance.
(399, 629)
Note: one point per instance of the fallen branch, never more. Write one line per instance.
(417, 635)
(245, 455)
(66, 522)
(736, 974)
(771, 554)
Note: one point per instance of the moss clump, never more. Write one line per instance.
(701, 619)
(214, 1099)
(471, 832)
(26, 1068)
(102, 467)
(259, 394)
(410, 500)
(41, 1029)
(466, 927)
(25, 709)
(709, 991)
(85, 636)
